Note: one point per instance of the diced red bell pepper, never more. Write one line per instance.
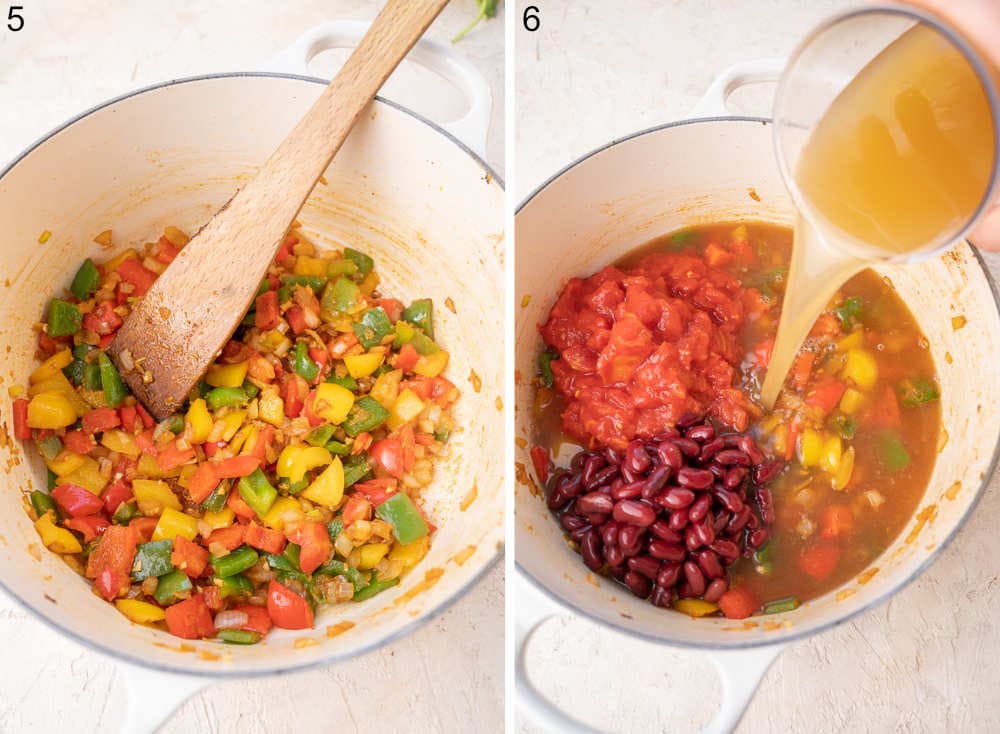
(265, 539)
(408, 441)
(407, 358)
(144, 416)
(338, 347)
(357, 508)
(129, 417)
(314, 544)
(116, 493)
(293, 392)
(259, 449)
(211, 449)
(229, 538)
(307, 410)
(285, 254)
(99, 420)
(361, 443)
(884, 412)
(826, 395)
(90, 526)
(167, 251)
(258, 620)
(102, 319)
(134, 272)
(213, 599)
(424, 439)
(296, 319)
(21, 428)
(542, 463)
(430, 388)
(237, 466)
(126, 467)
(837, 522)
(172, 457)
(189, 557)
(739, 603)
(820, 560)
(388, 455)
(190, 619)
(826, 325)
(144, 528)
(110, 564)
(762, 352)
(76, 501)
(287, 609)
(202, 482)
(392, 307)
(236, 503)
(268, 312)
(79, 442)
(48, 345)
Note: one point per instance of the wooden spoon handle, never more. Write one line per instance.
(179, 327)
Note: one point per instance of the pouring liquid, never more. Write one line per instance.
(899, 164)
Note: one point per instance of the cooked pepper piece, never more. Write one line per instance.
(64, 319)
(152, 559)
(239, 637)
(362, 262)
(224, 397)
(302, 363)
(375, 587)
(421, 313)
(170, 586)
(406, 520)
(373, 327)
(85, 281)
(111, 381)
(366, 415)
(257, 492)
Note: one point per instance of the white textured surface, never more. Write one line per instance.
(72, 55)
(924, 662)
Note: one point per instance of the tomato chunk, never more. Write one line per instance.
(287, 609)
(190, 619)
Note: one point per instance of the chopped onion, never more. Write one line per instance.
(230, 619)
(161, 428)
(805, 527)
(126, 359)
(875, 498)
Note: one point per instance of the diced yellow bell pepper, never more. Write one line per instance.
(270, 407)
(328, 488)
(114, 262)
(173, 523)
(154, 496)
(233, 422)
(411, 553)
(149, 468)
(386, 388)
(305, 265)
(52, 366)
(740, 233)
(860, 368)
(779, 440)
(810, 448)
(297, 459)
(832, 451)
(186, 471)
(50, 410)
(221, 519)
(284, 510)
(199, 421)
(141, 612)
(844, 471)
(274, 341)
(55, 538)
(227, 375)
(695, 607)
(852, 341)
(177, 237)
(431, 365)
(332, 402)
(121, 441)
(87, 475)
(369, 284)
(407, 407)
(371, 554)
(851, 401)
(58, 383)
(244, 439)
(65, 462)
(362, 365)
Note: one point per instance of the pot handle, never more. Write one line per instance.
(152, 696)
(757, 71)
(741, 672)
(470, 129)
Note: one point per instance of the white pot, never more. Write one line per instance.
(700, 171)
(428, 210)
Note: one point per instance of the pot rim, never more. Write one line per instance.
(281, 669)
(838, 620)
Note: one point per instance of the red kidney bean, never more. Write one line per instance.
(726, 549)
(656, 480)
(595, 502)
(730, 500)
(675, 498)
(738, 521)
(710, 449)
(689, 448)
(634, 513)
(694, 577)
(757, 538)
(715, 590)
(688, 419)
(718, 471)
(708, 562)
(638, 584)
(706, 531)
(636, 458)
(692, 478)
(678, 519)
(684, 591)
(630, 539)
(646, 565)
(661, 529)
(609, 532)
(746, 444)
(572, 522)
(670, 455)
(614, 555)
(627, 491)
(669, 575)
(720, 521)
(557, 500)
(590, 549)
(591, 465)
(731, 457)
(735, 477)
(692, 540)
(611, 456)
(700, 508)
(661, 597)
(765, 504)
(597, 519)
(578, 534)
(702, 433)
(754, 522)
(602, 477)
(764, 473)
(665, 551)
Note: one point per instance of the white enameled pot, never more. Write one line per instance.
(424, 205)
(701, 171)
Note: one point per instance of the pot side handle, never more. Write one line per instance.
(757, 71)
(470, 129)
(152, 696)
(740, 671)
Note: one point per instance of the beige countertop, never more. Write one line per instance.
(73, 54)
(924, 662)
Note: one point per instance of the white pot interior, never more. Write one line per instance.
(703, 172)
(426, 210)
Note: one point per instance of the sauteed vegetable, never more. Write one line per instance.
(291, 478)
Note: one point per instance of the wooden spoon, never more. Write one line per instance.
(180, 326)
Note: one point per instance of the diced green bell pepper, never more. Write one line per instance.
(126, 512)
(315, 283)
(442, 434)
(375, 587)
(320, 435)
(682, 238)
(74, 372)
(250, 389)
(91, 376)
(257, 492)
(292, 554)
(238, 637)
(917, 391)
(373, 327)
(366, 415)
(400, 512)
(346, 381)
(64, 319)
(545, 367)
(170, 586)
(234, 562)
(338, 448)
(339, 297)
(264, 287)
(334, 528)
(49, 447)
(221, 397)
(85, 281)
(404, 334)
(341, 267)
(42, 503)
(284, 294)
(363, 262)
(152, 559)
(334, 567)
(176, 424)
(891, 451)
(849, 311)
(80, 351)
(423, 343)
(355, 469)
(302, 363)
(778, 606)
(51, 479)
(217, 499)
(846, 426)
(111, 381)
(235, 585)
(421, 313)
